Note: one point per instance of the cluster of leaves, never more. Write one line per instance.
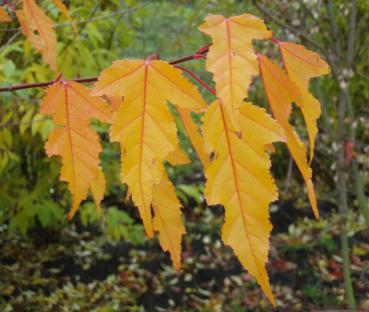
(39, 28)
(236, 136)
(25, 173)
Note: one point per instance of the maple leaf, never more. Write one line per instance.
(239, 179)
(281, 92)
(4, 16)
(73, 139)
(143, 124)
(167, 220)
(231, 57)
(60, 5)
(301, 65)
(38, 28)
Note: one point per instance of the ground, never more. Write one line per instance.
(79, 269)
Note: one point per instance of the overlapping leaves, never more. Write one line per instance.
(240, 180)
(145, 129)
(237, 135)
(231, 57)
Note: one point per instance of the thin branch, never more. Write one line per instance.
(197, 78)
(336, 37)
(351, 36)
(22, 86)
(278, 21)
(11, 39)
(82, 22)
(203, 50)
(341, 169)
(98, 18)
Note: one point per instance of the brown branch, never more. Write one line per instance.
(278, 21)
(198, 54)
(42, 84)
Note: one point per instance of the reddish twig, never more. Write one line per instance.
(21, 86)
(42, 84)
(197, 78)
(275, 40)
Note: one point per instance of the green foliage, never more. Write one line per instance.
(120, 225)
(114, 223)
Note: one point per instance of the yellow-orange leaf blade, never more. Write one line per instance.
(72, 107)
(239, 179)
(178, 157)
(143, 124)
(39, 30)
(60, 5)
(231, 57)
(167, 220)
(4, 16)
(281, 92)
(192, 131)
(98, 186)
(301, 65)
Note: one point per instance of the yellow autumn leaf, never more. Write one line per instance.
(301, 65)
(4, 16)
(60, 5)
(114, 102)
(167, 220)
(143, 124)
(192, 131)
(73, 139)
(239, 179)
(178, 157)
(38, 28)
(231, 57)
(98, 186)
(281, 92)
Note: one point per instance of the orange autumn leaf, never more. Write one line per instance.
(114, 102)
(4, 16)
(143, 124)
(38, 28)
(167, 220)
(301, 65)
(231, 57)
(239, 179)
(60, 5)
(281, 92)
(73, 139)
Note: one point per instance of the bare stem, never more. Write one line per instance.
(21, 86)
(278, 21)
(82, 22)
(198, 79)
(341, 134)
